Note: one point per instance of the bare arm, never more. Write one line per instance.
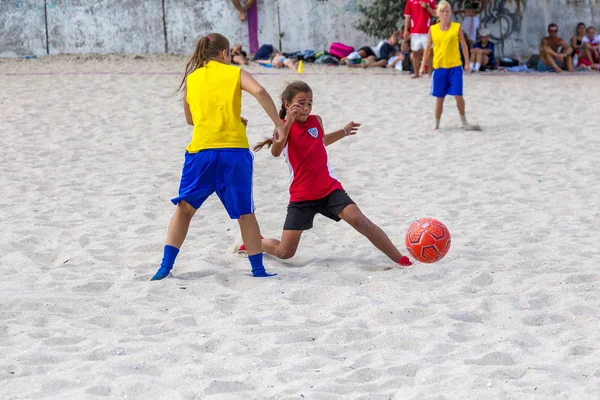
(406, 26)
(349, 129)
(250, 85)
(566, 49)
(249, 4)
(186, 109)
(427, 53)
(465, 49)
(432, 11)
(280, 140)
(237, 4)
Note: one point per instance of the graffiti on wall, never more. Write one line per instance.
(502, 17)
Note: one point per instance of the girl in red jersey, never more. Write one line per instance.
(314, 189)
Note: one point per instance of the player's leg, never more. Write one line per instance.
(353, 216)
(284, 248)
(180, 223)
(194, 188)
(234, 188)
(417, 57)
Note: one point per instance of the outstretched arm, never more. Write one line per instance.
(349, 129)
(250, 85)
(427, 54)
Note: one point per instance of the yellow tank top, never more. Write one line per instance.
(445, 46)
(214, 95)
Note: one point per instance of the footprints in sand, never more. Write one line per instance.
(544, 319)
(494, 358)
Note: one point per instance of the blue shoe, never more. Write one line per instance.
(162, 273)
(261, 273)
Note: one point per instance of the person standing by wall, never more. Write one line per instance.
(248, 11)
(418, 15)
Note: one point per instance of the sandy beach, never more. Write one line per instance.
(91, 149)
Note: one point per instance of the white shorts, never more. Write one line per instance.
(418, 41)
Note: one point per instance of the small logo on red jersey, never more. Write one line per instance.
(314, 132)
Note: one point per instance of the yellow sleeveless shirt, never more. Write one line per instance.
(214, 95)
(445, 46)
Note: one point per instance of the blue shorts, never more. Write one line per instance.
(447, 81)
(225, 171)
(541, 67)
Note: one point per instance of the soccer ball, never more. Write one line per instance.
(428, 240)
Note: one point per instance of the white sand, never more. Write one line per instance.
(89, 161)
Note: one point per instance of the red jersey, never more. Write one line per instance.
(311, 177)
(420, 19)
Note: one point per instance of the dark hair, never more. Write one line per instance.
(288, 95)
(578, 25)
(551, 25)
(208, 48)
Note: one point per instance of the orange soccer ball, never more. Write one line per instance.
(428, 240)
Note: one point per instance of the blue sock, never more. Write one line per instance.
(258, 269)
(170, 253)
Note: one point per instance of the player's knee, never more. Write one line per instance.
(286, 253)
(186, 209)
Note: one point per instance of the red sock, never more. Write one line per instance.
(405, 261)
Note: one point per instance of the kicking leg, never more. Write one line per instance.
(353, 216)
(286, 248)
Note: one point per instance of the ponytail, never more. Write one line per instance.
(259, 146)
(208, 48)
(283, 111)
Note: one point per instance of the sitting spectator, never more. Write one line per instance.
(482, 53)
(590, 55)
(278, 60)
(555, 53)
(239, 56)
(376, 56)
(576, 40)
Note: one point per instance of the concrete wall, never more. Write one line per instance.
(156, 26)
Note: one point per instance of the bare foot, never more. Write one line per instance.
(415, 76)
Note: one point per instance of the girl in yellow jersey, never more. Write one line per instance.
(218, 158)
(447, 78)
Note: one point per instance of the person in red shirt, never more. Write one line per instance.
(417, 14)
(314, 189)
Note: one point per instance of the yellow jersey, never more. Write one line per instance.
(445, 46)
(214, 95)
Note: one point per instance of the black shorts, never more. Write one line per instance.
(300, 214)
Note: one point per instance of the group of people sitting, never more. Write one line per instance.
(402, 52)
(397, 52)
(557, 55)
